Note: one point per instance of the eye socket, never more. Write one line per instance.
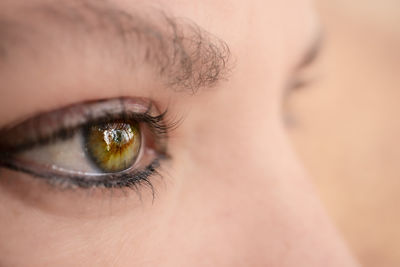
(113, 144)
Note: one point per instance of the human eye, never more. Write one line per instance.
(113, 143)
(305, 75)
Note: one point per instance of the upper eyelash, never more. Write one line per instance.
(11, 142)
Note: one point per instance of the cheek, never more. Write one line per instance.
(241, 190)
(233, 209)
(61, 228)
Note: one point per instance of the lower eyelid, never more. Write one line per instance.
(129, 178)
(78, 204)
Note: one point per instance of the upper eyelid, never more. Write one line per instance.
(30, 131)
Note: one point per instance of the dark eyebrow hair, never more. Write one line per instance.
(183, 53)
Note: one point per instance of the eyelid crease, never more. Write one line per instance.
(62, 123)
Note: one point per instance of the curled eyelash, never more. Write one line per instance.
(48, 127)
(30, 133)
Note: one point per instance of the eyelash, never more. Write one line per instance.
(119, 180)
(130, 178)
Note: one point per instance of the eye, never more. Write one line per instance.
(113, 144)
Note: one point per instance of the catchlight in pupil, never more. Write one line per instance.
(113, 146)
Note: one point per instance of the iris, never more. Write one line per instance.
(113, 146)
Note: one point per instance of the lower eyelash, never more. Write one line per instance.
(126, 179)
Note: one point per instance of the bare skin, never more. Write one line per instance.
(232, 194)
(359, 169)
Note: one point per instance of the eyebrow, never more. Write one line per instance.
(184, 54)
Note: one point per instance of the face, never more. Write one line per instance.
(153, 134)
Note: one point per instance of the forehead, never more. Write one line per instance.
(233, 20)
(264, 36)
(289, 24)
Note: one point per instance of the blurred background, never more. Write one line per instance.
(346, 127)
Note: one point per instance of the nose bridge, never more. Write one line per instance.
(253, 199)
(263, 208)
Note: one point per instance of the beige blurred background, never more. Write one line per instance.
(347, 130)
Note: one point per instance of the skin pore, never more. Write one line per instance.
(232, 192)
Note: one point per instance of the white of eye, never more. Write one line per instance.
(65, 155)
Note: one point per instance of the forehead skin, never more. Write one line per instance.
(233, 193)
(268, 37)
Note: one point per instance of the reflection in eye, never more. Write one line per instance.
(114, 143)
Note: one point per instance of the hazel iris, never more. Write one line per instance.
(114, 146)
